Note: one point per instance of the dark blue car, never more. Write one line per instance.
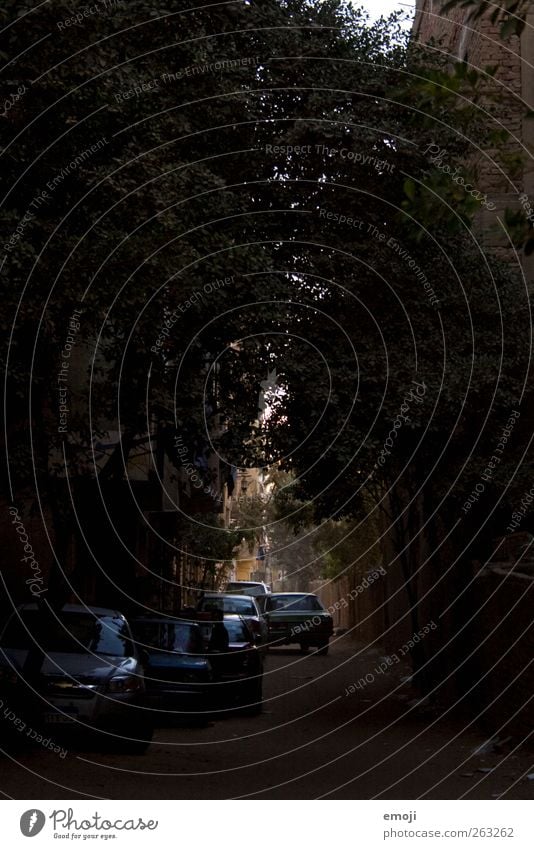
(178, 673)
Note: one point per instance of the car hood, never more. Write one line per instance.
(176, 659)
(98, 667)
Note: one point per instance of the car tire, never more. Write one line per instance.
(322, 649)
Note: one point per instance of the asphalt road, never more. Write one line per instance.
(312, 740)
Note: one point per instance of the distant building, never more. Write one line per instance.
(251, 562)
(479, 44)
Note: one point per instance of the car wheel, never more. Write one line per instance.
(323, 648)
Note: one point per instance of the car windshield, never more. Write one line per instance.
(71, 633)
(229, 604)
(168, 636)
(295, 603)
(245, 587)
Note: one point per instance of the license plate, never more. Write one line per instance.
(59, 718)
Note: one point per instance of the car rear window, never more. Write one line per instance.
(294, 603)
(168, 636)
(229, 605)
(258, 589)
(70, 633)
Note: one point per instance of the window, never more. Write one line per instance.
(69, 633)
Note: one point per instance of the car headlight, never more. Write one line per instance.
(125, 684)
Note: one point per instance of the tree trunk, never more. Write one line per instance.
(406, 526)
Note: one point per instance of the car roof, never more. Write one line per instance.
(227, 595)
(78, 608)
(233, 617)
(165, 620)
(249, 583)
(290, 594)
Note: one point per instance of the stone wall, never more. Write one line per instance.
(502, 641)
(508, 95)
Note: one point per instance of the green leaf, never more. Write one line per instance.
(409, 189)
(510, 27)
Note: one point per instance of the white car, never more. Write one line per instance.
(241, 605)
(90, 674)
(254, 588)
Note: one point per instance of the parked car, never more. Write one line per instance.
(178, 673)
(298, 618)
(237, 662)
(90, 677)
(242, 605)
(255, 588)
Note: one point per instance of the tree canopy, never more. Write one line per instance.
(230, 190)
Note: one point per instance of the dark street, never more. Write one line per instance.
(310, 741)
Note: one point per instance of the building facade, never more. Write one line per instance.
(458, 38)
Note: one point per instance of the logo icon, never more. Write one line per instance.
(32, 822)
